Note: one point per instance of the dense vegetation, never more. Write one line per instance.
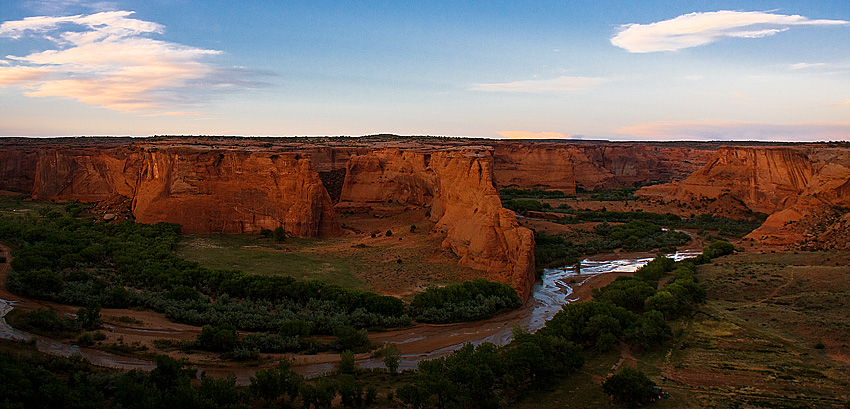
(511, 193)
(635, 235)
(469, 301)
(72, 261)
(622, 195)
(62, 258)
(630, 311)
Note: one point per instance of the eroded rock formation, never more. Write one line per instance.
(458, 187)
(789, 183)
(566, 167)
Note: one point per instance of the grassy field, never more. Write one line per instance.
(257, 255)
(773, 334)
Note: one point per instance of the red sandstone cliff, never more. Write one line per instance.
(565, 167)
(458, 186)
(789, 183)
(231, 191)
(205, 190)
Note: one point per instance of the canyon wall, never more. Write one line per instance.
(204, 190)
(233, 191)
(790, 183)
(457, 186)
(566, 167)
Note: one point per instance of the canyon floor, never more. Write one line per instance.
(772, 334)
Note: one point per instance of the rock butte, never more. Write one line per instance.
(243, 185)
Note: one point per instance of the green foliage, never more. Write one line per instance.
(295, 328)
(622, 194)
(636, 235)
(719, 248)
(279, 234)
(89, 318)
(627, 292)
(80, 262)
(391, 356)
(511, 193)
(525, 205)
(221, 338)
(351, 339)
(630, 387)
(274, 385)
(467, 301)
(46, 321)
(346, 363)
(655, 269)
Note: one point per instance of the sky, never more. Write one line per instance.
(618, 70)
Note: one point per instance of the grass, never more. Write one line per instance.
(256, 255)
(773, 334)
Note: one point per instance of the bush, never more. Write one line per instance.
(630, 387)
(391, 356)
(222, 338)
(467, 301)
(279, 233)
(349, 338)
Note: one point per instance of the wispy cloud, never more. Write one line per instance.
(556, 84)
(724, 131)
(695, 29)
(108, 59)
(536, 135)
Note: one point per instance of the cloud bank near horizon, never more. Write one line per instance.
(701, 28)
(722, 131)
(107, 59)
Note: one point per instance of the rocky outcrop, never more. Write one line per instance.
(485, 235)
(458, 187)
(788, 183)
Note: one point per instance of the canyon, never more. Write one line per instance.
(305, 185)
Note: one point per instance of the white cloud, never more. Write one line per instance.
(107, 59)
(695, 29)
(727, 131)
(535, 135)
(556, 84)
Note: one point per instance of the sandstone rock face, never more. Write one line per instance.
(485, 235)
(388, 175)
(85, 175)
(764, 178)
(231, 191)
(458, 187)
(789, 183)
(565, 167)
(206, 191)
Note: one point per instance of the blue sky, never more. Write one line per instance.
(597, 69)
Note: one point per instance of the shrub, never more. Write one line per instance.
(279, 233)
(630, 387)
(222, 338)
